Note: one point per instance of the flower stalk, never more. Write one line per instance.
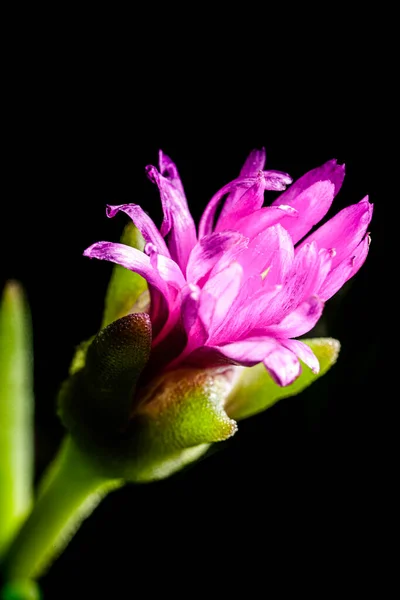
(70, 491)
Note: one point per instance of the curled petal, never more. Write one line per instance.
(178, 222)
(169, 171)
(254, 163)
(130, 258)
(143, 222)
(271, 180)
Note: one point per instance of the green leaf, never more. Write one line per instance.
(21, 589)
(16, 412)
(127, 291)
(256, 391)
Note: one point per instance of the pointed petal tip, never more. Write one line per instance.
(95, 249)
(152, 173)
(111, 210)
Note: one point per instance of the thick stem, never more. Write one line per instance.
(71, 490)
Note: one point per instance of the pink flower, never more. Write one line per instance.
(249, 282)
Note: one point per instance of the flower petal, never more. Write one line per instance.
(254, 162)
(271, 250)
(249, 352)
(344, 231)
(130, 258)
(299, 321)
(168, 270)
(251, 200)
(178, 221)
(169, 170)
(309, 270)
(223, 289)
(272, 180)
(143, 222)
(303, 352)
(261, 219)
(209, 250)
(311, 196)
(283, 366)
(345, 270)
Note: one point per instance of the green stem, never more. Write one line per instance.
(71, 490)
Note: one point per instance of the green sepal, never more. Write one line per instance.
(172, 423)
(256, 391)
(127, 292)
(97, 399)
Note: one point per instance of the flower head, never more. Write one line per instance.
(253, 278)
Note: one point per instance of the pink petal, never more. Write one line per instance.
(223, 289)
(131, 259)
(246, 314)
(251, 200)
(209, 250)
(311, 196)
(303, 352)
(272, 250)
(168, 270)
(254, 162)
(273, 180)
(345, 270)
(143, 222)
(242, 204)
(162, 298)
(299, 321)
(249, 352)
(309, 270)
(344, 231)
(168, 169)
(178, 222)
(283, 366)
(261, 219)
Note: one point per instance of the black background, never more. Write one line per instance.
(293, 486)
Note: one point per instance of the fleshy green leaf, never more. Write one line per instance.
(127, 291)
(21, 589)
(16, 412)
(256, 391)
